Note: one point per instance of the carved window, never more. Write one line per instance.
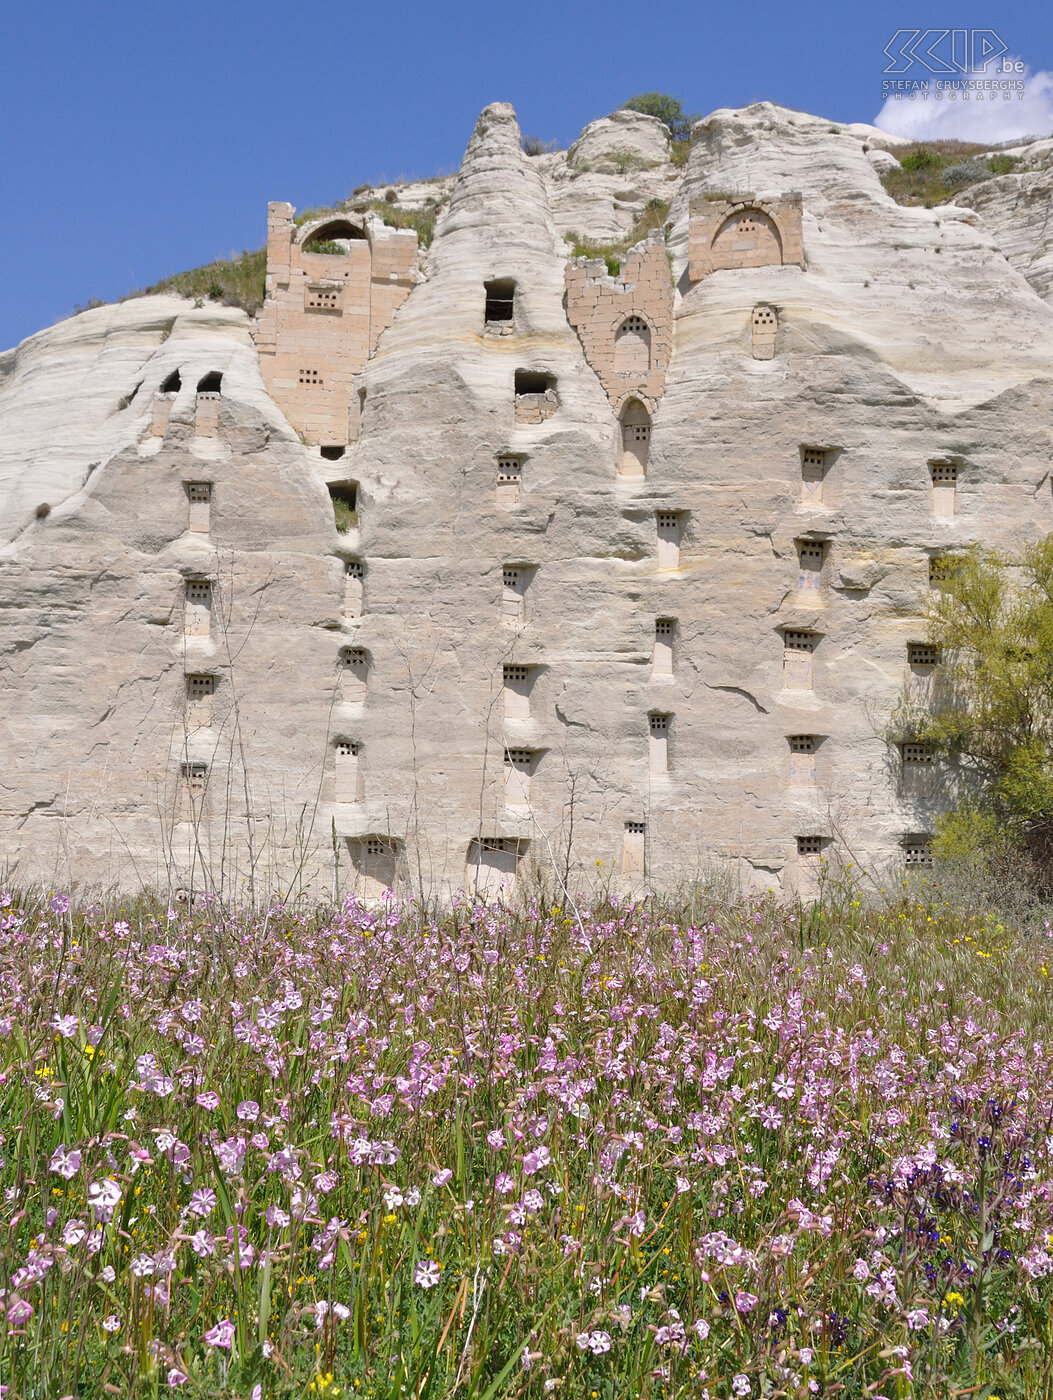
(810, 846)
(669, 524)
(944, 487)
(636, 439)
(517, 682)
(802, 758)
(632, 347)
(658, 743)
(519, 769)
(798, 647)
(499, 312)
(922, 654)
(662, 656)
(311, 377)
(813, 471)
(634, 858)
(917, 755)
(195, 777)
(509, 480)
(354, 601)
(198, 607)
(917, 850)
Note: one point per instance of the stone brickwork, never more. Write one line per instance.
(625, 323)
(325, 312)
(742, 233)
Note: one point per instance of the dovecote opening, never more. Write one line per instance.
(813, 473)
(632, 347)
(493, 863)
(669, 525)
(810, 556)
(199, 501)
(942, 569)
(309, 378)
(344, 496)
(517, 683)
(658, 726)
(346, 754)
(332, 452)
(636, 440)
(917, 756)
(944, 488)
(922, 656)
(515, 580)
(206, 406)
(634, 862)
(354, 671)
(802, 759)
(764, 325)
(195, 780)
(163, 400)
(322, 298)
(499, 315)
(519, 770)
(200, 689)
(811, 847)
(354, 589)
(197, 607)
(535, 396)
(509, 480)
(917, 850)
(662, 654)
(375, 863)
(797, 652)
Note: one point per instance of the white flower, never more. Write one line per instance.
(426, 1273)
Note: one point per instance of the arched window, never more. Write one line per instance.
(636, 439)
(172, 384)
(334, 238)
(632, 346)
(748, 238)
(211, 383)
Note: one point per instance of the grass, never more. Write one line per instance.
(932, 172)
(653, 216)
(650, 1151)
(237, 281)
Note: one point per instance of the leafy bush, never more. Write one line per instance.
(534, 146)
(990, 711)
(668, 110)
(966, 172)
(372, 1152)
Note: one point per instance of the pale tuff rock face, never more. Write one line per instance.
(1018, 210)
(623, 601)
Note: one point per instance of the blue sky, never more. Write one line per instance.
(140, 140)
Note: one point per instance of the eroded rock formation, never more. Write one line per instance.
(607, 578)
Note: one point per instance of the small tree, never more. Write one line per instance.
(667, 109)
(990, 711)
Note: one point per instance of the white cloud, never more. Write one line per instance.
(931, 118)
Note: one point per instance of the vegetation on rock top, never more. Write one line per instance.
(932, 172)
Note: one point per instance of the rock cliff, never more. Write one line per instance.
(630, 565)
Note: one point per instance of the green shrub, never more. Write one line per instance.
(668, 110)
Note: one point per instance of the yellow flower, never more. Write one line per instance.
(89, 1050)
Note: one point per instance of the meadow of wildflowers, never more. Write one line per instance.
(747, 1153)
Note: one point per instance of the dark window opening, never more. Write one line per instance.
(500, 299)
(529, 382)
(126, 399)
(211, 383)
(332, 454)
(344, 495)
(172, 384)
(331, 238)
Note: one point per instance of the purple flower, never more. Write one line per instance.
(176, 1377)
(19, 1312)
(208, 1100)
(60, 904)
(66, 1164)
(441, 1178)
(534, 1160)
(745, 1302)
(248, 1110)
(426, 1274)
(202, 1202)
(222, 1335)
